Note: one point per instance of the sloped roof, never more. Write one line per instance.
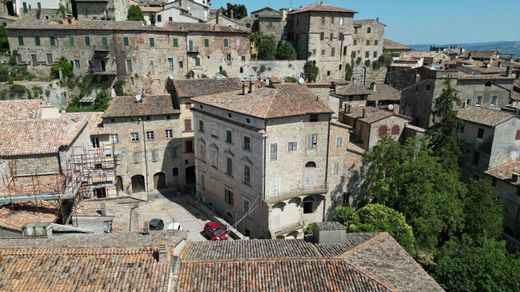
(371, 115)
(15, 216)
(261, 265)
(321, 7)
(505, 171)
(95, 121)
(75, 269)
(395, 46)
(21, 109)
(29, 137)
(155, 105)
(283, 100)
(198, 87)
(353, 89)
(384, 92)
(484, 116)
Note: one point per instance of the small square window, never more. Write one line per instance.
(150, 135)
(168, 133)
(134, 137)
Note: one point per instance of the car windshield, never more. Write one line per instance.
(217, 231)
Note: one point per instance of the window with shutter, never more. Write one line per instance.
(383, 130)
(396, 130)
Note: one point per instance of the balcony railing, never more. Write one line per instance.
(298, 192)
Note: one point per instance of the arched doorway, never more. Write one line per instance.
(159, 181)
(190, 175)
(309, 175)
(137, 183)
(119, 184)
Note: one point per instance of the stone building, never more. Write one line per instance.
(270, 22)
(142, 56)
(367, 40)
(148, 140)
(323, 34)
(353, 95)
(49, 9)
(263, 158)
(371, 124)
(182, 11)
(427, 84)
(505, 179)
(116, 10)
(489, 137)
(394, 48)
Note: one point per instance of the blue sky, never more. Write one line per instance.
(426, 21)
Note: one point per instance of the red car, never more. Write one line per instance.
(214, 232)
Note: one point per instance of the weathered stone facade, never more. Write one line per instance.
(116, 10)
(142, 56)
(368, 40)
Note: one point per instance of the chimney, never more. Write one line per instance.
(509, 72)
(251, 87)
(218, 16)
(244, 89)
(364, 113)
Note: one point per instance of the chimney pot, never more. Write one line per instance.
(244, 89)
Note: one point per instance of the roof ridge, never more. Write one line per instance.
(265, 259)
(363, 245)
(273, 97)
(365, 273)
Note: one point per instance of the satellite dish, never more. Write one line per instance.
(138, 98)
(391, 107)
(301, 80)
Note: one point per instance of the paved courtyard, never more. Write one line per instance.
(173, 208)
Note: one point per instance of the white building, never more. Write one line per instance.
(263, 158)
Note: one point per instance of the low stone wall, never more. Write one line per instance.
(274, 69)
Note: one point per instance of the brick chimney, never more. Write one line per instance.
(244, 89)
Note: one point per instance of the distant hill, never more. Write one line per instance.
(503, 47)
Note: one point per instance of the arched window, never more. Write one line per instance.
(383, 131)
(310, 164)
(175, 171)
(395, 130)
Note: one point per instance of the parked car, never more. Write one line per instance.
(214, 232)
(156, 224)
(174, 226)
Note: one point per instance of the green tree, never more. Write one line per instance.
(4, 73)
(343, 214)
(470, 265)
(236, 11)
(135, 13)
(443, 135)
(378, 218)
(310, 70)
(102, 101)
(267, 48)
(408, 179)
(4, 42)
(255, 36)
(482, 211)
(286, 51)
(118, 87)
(64, 66)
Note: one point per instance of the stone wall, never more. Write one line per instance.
(372, 76)
(275, 69)
(51, 92)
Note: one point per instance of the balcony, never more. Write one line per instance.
(298, 192)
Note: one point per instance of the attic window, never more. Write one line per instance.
(488, 84)
(229, 115)
(248, 120)
(201, 106)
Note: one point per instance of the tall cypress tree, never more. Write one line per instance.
(444, 140)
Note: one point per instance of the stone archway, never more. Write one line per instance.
(138, 183)
(159, 181)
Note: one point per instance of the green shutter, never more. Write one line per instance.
(53, 40)
(104, 40)
(37, 41)
(175, 43)
(24, 7)
(87, 41)
(39, 6)
(20, 40)
(71, 41)
(152, 42)
(126, 42)
(197, 61)
(206, 43)
(226, 43)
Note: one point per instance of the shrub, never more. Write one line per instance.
(64, 66)
(310, 71)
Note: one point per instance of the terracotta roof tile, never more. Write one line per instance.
(322, 7)
(92, 269)
(337, 249)
(15, 216)
(353, 89)
(198, 87)
(283, 100)
(95, 121)
(483, 116)
(505, 172)
(21, 109)
(370, 115)
(384, 92)
(126, 106)
(28, 137)
(329, 226)
(393, 45)
(385, 260)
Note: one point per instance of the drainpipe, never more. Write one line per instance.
(327, 169)
(145, 159)
(364, 75)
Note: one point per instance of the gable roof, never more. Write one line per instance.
(505, 171)
(321, 7)
(155, 105)
(283, 100)
(384, 92)
(484, 116)
(21, 109)
(187, 88)
(352, 89)
(371, 115)
(365, 262)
